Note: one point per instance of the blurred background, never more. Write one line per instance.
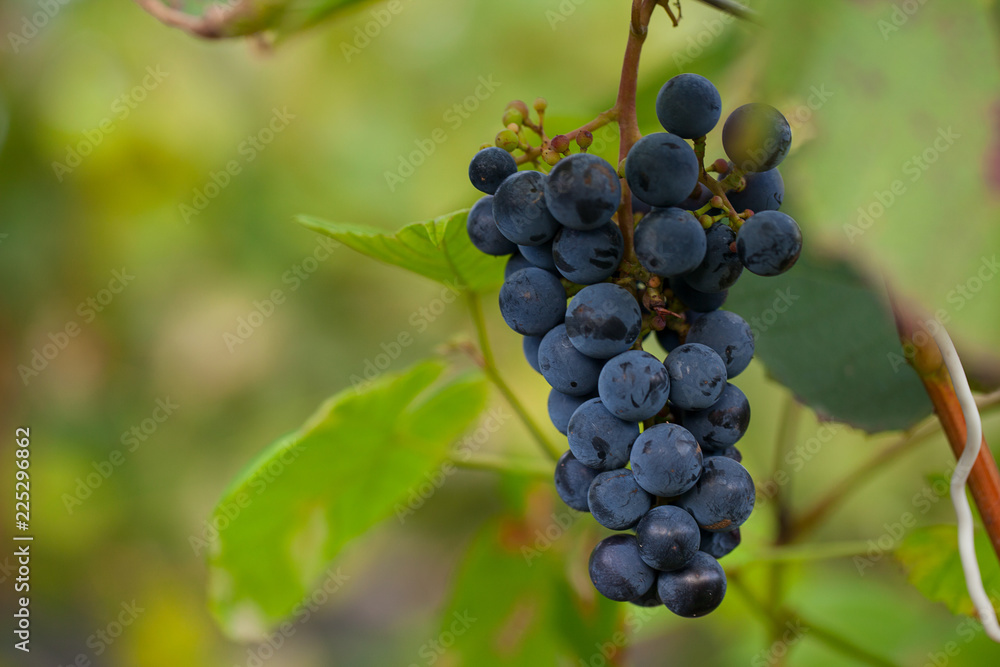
(148, 187)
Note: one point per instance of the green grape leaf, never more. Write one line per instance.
(439, 249)
(825, 331)
(892, 194)
(293, 509)
(930, 557)
(512, 602)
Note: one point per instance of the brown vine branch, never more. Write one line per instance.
(734, 8)
(925, 358)
(215, 23)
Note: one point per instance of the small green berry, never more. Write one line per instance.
(507, 140)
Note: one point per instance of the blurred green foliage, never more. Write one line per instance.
(144, 121)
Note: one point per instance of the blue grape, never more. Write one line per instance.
(696, 300)
(722, 424)
(520, 212)
(639, 206)
(539, 255)
(668, 538)
(697, 376)
(564, 367)
(669, 339)
(588, 257)
(651, 598)
(562, 406)
(723, 497)
(756, 137)
(573, 481)
(719, 545)
(729, 335)
(721, 267)
(483, 230)
(616, 501)
(529, 345)
(697, 199)
(694, 590)
(729, 452)
(661, 169)
(617, 571)
(666, 460)
(689, 106)
(764, 191)
(603, 320)
(769, 243)
(583, 191)
(669, 242)
(532, 301)
(515, 263)
(489, 168)
(599, 439)
(634, 385)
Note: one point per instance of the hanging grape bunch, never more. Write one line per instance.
(651, 441)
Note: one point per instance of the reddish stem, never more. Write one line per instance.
(925, 357)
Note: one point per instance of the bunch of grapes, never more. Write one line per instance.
(651, 442)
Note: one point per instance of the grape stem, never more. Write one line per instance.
(487, 362)
(714, 186)
(491, 462)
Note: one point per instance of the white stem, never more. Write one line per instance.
(973, 441)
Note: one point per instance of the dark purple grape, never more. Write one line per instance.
(483, 230)
(489, 168)
(689, 106)
(583, 191)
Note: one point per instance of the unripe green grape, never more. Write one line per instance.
(507, 140)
